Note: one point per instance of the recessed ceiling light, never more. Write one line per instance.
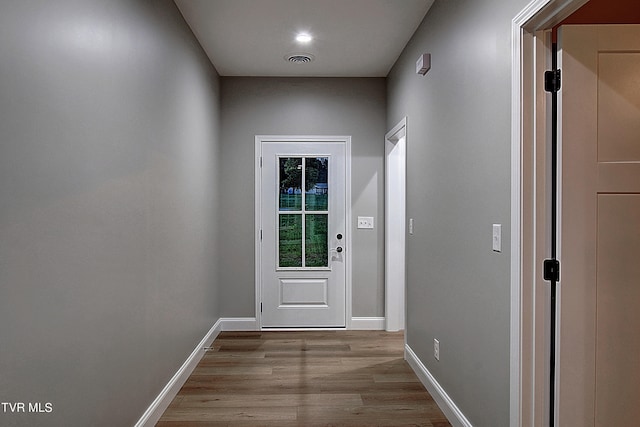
(303, 38)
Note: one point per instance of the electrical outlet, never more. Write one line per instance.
(436, 349)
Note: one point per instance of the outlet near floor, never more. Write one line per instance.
(436, 349)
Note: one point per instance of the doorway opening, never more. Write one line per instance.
(530, 209)
(395, 225)
(530, 355)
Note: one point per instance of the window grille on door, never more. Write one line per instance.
(303, 212)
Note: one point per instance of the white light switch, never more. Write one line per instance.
(496, 239)
(365, 222)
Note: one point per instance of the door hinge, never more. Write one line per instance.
(552, 80)
(260, 307)
(551, 270)
(260, 235)
(260, 161)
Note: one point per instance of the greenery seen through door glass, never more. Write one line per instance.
(316, 184)
(316, 251)
(290, 240)
(292, 172)
(290, 188)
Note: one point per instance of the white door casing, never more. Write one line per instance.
(530, 57)
(308, 286)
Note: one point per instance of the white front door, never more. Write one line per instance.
(303, 250)
(599, 288)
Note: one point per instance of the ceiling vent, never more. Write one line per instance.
(299, 58)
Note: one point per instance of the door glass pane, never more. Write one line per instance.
(316, 250)
(290, 240)
(316, 184)
(290, 184)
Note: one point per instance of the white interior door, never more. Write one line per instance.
(599, 288)
(303, 223)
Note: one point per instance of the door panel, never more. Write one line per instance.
(618, 314)
(304, 292)
(303, 211)
(618, 106)
(599, 290)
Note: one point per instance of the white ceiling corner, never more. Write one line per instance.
(352, 38)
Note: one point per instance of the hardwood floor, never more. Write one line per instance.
(323, 378)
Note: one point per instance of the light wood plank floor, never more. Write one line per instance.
(323, 378)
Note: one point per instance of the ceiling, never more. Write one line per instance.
(351, 38)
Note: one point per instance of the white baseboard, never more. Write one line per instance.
(446, 404)
(239, 324)
(368, 323)
(160, 404)
(251, 324)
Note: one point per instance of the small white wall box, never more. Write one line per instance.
(423, 64)
(365, 222)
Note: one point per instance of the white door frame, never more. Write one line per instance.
(313, 139)
(529, 198)
(395, 226)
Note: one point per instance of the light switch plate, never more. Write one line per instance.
(496, 239)
(365, 222)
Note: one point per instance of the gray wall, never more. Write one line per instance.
(109, 118)
(301, 106)
(458, 137)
